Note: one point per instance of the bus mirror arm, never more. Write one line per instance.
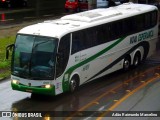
(9, 48)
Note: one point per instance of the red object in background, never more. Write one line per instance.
(3, 17)
(3, 0)
(76, 5)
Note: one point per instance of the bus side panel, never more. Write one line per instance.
(112, 60)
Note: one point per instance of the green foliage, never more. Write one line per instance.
(5, 74)
(5, 64)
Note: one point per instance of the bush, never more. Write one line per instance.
(5, 64)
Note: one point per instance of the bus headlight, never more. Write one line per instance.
(15, 81)
(47, 86)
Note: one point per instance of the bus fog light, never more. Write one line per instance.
(15, 81)
(47, 86)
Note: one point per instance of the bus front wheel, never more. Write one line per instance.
(74, 84)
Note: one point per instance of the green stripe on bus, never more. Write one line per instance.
(71, 69)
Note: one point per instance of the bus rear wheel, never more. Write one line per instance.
(137, 59)
(126, 63)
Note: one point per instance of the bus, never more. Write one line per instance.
(59, 55)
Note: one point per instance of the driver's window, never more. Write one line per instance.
(63, 54)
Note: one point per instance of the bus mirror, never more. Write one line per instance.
(9, 48)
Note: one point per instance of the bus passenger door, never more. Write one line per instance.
(62, 62)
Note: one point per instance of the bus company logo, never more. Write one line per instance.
(6, 114)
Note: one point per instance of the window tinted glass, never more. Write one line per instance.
(84, 39)
(63, 54)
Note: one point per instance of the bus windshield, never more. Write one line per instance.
(34, 57)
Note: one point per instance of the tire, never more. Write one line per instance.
(137, 59)
(74, 84)
(126, 64)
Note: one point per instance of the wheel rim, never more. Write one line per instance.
(73, 85)
(126, 64)
(136, 61)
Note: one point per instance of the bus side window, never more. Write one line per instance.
(140, 22)
(153, 18)
(101, 35)
(76, 42)
(90, 37)
(63, 54)
(147, 20)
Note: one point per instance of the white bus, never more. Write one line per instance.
(56, 56)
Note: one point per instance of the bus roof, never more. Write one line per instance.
(70, 23)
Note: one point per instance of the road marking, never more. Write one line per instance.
(49, 15)
(157, 74)
(128, 91)
(113, 92)
(96, 103)
(142, 75)
(115, 100)
(91, 103)
(126, 96)
(126, 83)
(142, 81)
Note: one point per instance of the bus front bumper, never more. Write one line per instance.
(33, 89)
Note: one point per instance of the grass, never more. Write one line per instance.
(5, 64)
